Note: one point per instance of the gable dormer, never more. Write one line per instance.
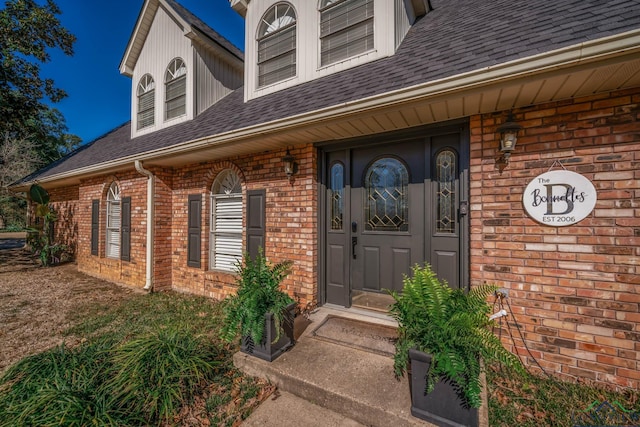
(288, 42)
(178, 66)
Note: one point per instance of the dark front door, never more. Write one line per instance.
(387, 214)
(391, 205)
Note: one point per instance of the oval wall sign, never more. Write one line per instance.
(559, 198)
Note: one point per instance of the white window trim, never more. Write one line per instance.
(225, 192)
(146, 86)
(272, 29)
(336, 3)
(173, 74)
(113, 237)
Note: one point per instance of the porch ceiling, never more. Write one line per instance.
(553, 85)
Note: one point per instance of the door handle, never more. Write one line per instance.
(354, 242)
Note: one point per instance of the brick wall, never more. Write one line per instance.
(575, 290)
(131, 273)
(65, 204)
(291, 219)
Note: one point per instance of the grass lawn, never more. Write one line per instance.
(152, 360)
(157, 360)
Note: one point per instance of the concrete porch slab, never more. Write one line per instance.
(350, 382)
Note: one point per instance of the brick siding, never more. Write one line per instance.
(575, 290)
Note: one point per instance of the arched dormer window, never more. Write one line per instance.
(175, 82)
(146, 101)
(346, 29)
(277, 45)
(114, 221)
(226, 222)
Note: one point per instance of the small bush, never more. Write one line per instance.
(59, 387)
(155, 374)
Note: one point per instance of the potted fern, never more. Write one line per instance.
(260, 311)
(443, 334)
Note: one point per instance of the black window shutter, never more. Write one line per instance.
(125, 230)
(256, 222)
(193, 233)
(95, 225)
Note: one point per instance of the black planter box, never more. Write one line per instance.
(442, 407)
(269, 350)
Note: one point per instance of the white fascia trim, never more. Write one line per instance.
(601, 49)
(124, 68)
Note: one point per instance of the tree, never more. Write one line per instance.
(18, 158)
(32, 133)
(27, 32)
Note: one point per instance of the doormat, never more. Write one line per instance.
(366, 336)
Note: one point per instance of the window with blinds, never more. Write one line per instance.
(226, 222)
(346, 29)
(114, 221)
(277, 45)
(146, 101)
(175, 89)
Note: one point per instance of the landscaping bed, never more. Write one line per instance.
(43, 308)
(87, 346)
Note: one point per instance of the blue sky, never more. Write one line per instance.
(99, 96)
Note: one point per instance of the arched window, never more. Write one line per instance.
(446, 174)
(146, 101)
(346, 29)
(337, 196)
(226, 221)
(277, 44)
(386, 187)
(114, 221)
(175, 82)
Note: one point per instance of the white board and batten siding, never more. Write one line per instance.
(208, 78)
(392, 19)
(215, 79)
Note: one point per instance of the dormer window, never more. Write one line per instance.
(277, 45)
(175, 81)
(146, 101)
(346, 29)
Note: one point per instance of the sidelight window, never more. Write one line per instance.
(337, 196)
(446, 191)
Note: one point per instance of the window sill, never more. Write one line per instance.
(356, 58)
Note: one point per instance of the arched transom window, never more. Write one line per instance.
(175, 80)
(114, 221)
(277, 44)
(226, 221)
(346, 29)
(146, 101)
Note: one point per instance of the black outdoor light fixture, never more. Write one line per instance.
(289, 164)
(508, 138)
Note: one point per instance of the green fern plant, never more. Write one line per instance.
(258, 293)
(452, 326)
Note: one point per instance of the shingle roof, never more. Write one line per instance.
(456, 37)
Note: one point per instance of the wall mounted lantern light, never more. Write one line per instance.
(290, 165)
(508, 138)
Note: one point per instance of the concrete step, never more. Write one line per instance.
(353, 383)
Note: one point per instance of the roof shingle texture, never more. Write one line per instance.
(456, 37)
